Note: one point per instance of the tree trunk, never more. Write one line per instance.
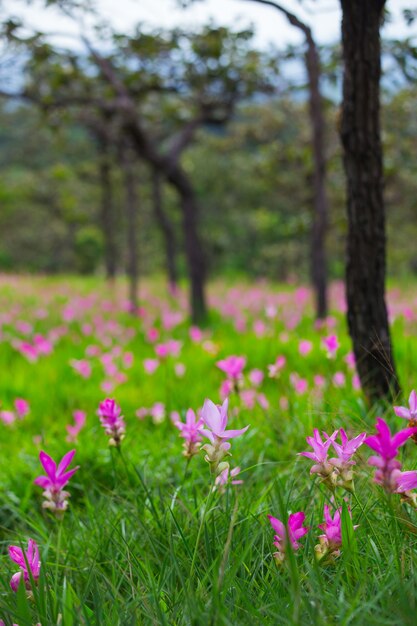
(178, 178)
(107, 209)
(195, 257)
(361, 139)
(318, 257)
(167, 230)
(131, 206)
(319, 229)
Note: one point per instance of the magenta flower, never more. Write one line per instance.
(331, 540)
(56, 499)
(387, 448)
(409, 413)
(232, 366)
(190, 432)
(288, 534)
(346, 449)
(73, 430)
(405, 481)
(169, 348)
(22, 407)
(227, 476)
(331, 345)
(29, 564)
(332, 526)
(112, 421)
(322, 466)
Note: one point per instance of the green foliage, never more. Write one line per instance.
(88, 249)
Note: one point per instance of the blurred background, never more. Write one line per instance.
(220, 89)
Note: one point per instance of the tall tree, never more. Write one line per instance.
(318, 259)
(127, 162)
(167, 230)
(361, 139)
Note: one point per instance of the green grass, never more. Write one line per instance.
(144, 540)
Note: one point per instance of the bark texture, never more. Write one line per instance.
(361, 139)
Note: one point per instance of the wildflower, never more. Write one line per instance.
(22, 407)
(232, 366)
(331, 345)
(150, 365)
(339, 379)
(215, 423)
(331, 540)
(7, 417)
(169, 348)
(112, 421)
(256, 377)
(409, 413)
(299, 384)
(190, 432)
(56, 499)
(227, 476)
(73, 430)
(305, 347)
(29, 564)
(289, 534)
(275, 369)
(344, 462)
(386, 448)
(82, 367)
(322, 466)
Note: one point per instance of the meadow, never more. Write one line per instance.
(151, 536)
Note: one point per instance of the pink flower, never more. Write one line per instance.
(405, 481)
(290, 533)
(190, 432)
(319, 381)
(322, 466)
(227, 476)
(299, 384)
(169, 348)
(150, 365)
(409, 413)
(196, 334)
(82, 367)
(112, 421)
(56, 499)
(215, 424)
(29, 564)
(7, 417)
(179, 369)
(22, 407)
(226, 388)
(152, 335)
(256, 377)
(346, 449)
(331, 541)
(215, 421)
(157, 412)
(331, 344)
(74, 430)
(387, 448)
(232, 366)
(332, 527)
(275, 369)
(339, 379)
(304, 347)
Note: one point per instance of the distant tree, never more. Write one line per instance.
(318, 137)
(361, 139)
